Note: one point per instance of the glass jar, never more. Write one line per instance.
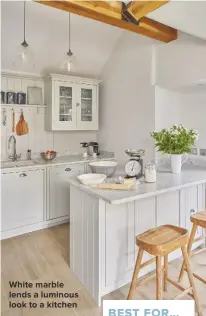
(150, 173)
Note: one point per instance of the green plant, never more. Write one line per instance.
(175, 140)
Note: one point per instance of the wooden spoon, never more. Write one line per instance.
(13, 121)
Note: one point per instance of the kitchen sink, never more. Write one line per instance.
(18, 163)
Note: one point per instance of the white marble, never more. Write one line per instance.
(62, 160)
(166, 181)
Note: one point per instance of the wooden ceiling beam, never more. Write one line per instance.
(110, 12)
(139, 9)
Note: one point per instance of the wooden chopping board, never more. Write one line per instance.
(22, 126)
(111, 186)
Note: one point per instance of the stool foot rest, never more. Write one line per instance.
(146, 263)
(198, 277)
(185, 292)
(179, 287)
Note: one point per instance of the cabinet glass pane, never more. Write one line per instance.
(65, 103)
(86, 105)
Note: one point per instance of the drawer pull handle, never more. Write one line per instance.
(68, 169)
(23, 175)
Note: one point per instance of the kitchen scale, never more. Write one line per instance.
(134, 167)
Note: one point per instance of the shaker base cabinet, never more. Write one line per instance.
(58, 189)
(72, 103)
(22, 198)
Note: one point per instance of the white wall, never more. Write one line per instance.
(189, 109)
(180, 62)
(127, 102)
(38, 139)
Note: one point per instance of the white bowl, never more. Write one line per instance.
(107, 167)
(91, 178)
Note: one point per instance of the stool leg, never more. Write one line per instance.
(165, 272)
(158, 278)
(135, 274)
(191, 279)
(189, 247)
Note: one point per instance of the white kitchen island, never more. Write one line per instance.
(104, 223)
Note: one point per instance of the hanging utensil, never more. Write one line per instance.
(22, 126)
(4, 117)
(13, 121)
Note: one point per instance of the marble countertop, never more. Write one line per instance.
(61, 160)
(166, 181)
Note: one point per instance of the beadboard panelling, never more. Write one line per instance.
(84, 237)
(38, 139)
(20, 84)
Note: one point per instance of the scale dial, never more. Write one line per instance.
(133, 168)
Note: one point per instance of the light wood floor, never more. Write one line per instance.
(43, 256)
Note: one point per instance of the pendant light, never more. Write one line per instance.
(25, 54)
(68, 63)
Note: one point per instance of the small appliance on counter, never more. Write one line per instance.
(134, 167)
(84, 145)
(93, 149)
(150, 173)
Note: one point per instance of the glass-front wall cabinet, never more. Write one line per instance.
(72, 103)
(88, 114)
(86, 105)
(65, 104)
(65, 110)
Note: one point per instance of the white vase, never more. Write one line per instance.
(176, 163)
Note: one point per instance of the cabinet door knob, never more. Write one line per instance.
(68, 169)
(23, 175)
(78, 104)
(192, 211)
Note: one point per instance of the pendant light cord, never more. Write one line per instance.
(24, 44)
(24, 20)
(69, 30)
(69, 52)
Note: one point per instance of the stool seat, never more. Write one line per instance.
(163, 239)
(199, 219)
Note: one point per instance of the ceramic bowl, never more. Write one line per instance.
(91, 178)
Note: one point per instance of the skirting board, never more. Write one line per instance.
(31, 228)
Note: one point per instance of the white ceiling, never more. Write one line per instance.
(186, 16)
(92, 42)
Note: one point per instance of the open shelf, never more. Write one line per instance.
(24, 105)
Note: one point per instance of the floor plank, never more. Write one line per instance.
(43, 256)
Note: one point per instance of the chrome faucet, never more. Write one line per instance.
(14, 156)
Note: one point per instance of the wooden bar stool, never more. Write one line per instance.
(160, 242)
(198, 219)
